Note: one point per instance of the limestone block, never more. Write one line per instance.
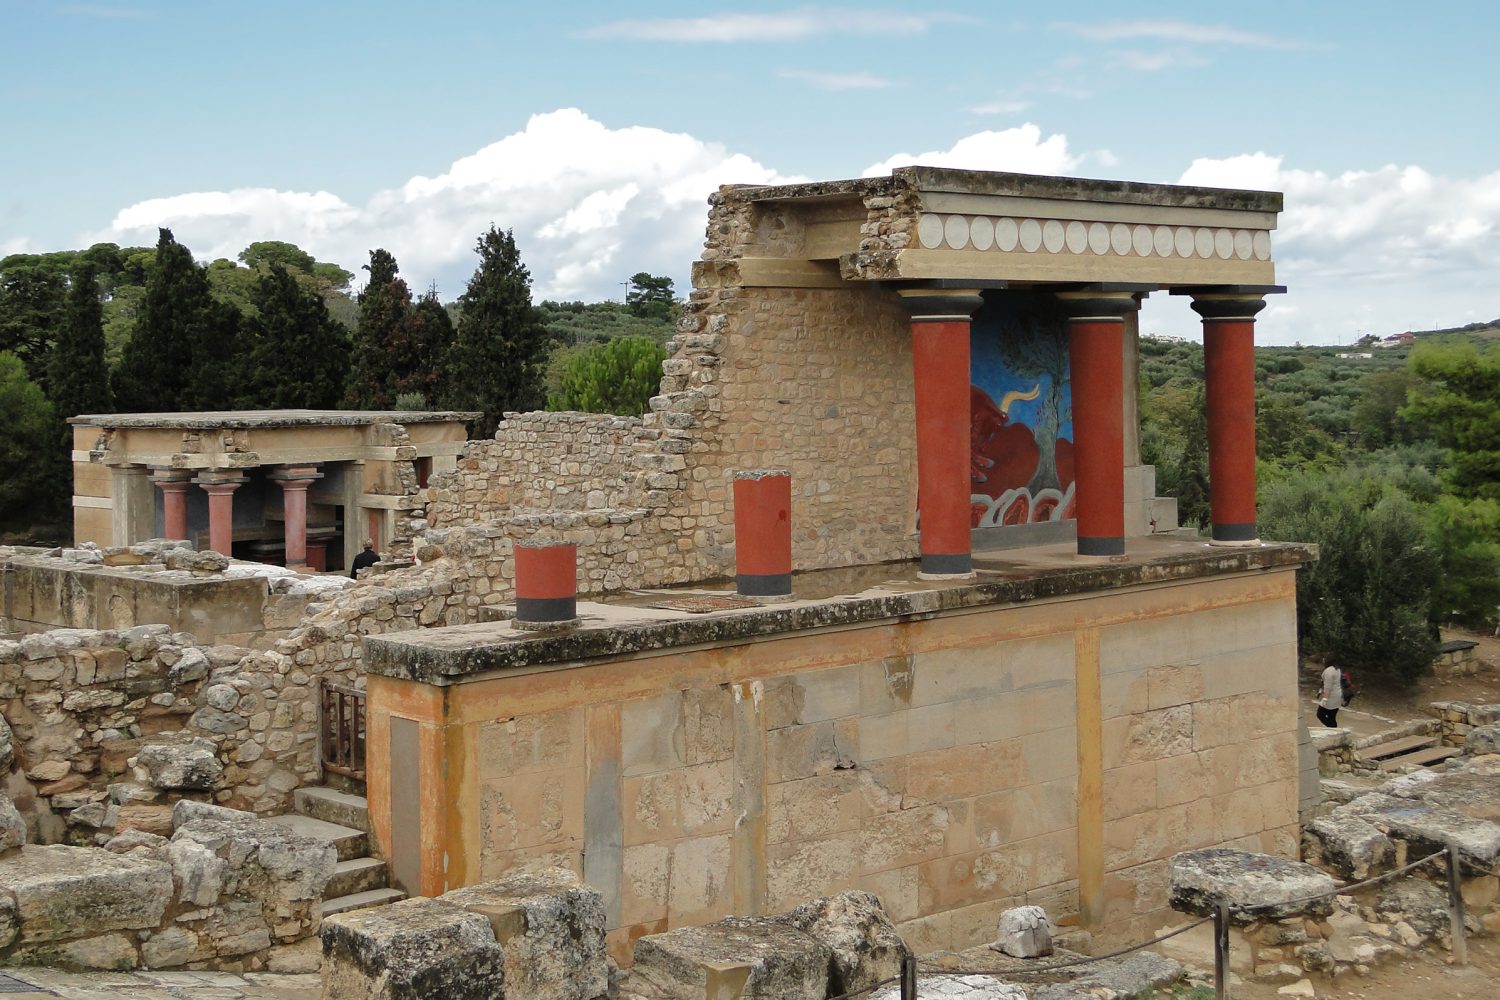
(550, 927)
(744, 957)
(1256, 886)
(198, 872)
(171, 947)
(1483, 740)
(155, 819)
(10, 923)
(1136, 976)
(12, 826)
(107, 951)
(1349, 845)
(854, 926)
(7, 747)
(957, 988)
(63, 892)
(184, 811)
(417, 949)
(190, 764)
(1024, 932)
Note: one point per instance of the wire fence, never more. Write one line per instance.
(912, 968)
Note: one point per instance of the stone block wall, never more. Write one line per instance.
(1457, 719)
(1056, 753)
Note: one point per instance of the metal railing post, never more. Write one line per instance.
(1221, 951)
(908, 977)
(1456, 908)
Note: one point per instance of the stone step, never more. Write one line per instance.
(357, 875)
(333, 806)
(349, 843)
(1404, 745)
(1431, 755)
(360, 901)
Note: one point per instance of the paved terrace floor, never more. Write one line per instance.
(22, 983)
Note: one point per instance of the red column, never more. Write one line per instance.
(294, 481)
(220, 510)
(372, 525)
(1229, 388)
(1096, 359)
(763, 532)
(940, 370)
(174, 486)
(546, 584)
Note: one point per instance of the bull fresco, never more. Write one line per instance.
(1021, 424)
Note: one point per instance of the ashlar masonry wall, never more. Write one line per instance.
(1056, 752)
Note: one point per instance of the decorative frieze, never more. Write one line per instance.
(987, 234)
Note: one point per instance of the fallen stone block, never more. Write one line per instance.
(854, 926)
(1483, 740)
(68, 892)
(191, 764)
(184, 811)
(1257, 887)
(743, 957)
(1427, 828)
(417, 949)
(550, 927)
(1024, 932)
(1349, 845)
(1132, 978)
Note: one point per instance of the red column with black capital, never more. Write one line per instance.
(1229, 391)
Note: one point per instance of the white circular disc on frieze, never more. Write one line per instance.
(1119, 238)
(930, 231)
(1099, 238)
(1224, 244)
(1244, 246)
(1262, 240)
(956, 232)
(1052, 235)
(1007, 233)
(1182, 241)
(1077, 237)
(1161, 238)
(982, 232)
(1203, 242)
(1141, 240)
(1031, 235)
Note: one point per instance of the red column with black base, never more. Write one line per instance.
(546, 584)
(1229, 389)
(763, 532)
(1096, 359)
(940, 321)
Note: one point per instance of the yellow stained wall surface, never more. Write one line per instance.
(953, 766)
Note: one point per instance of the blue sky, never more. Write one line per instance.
(596, 130)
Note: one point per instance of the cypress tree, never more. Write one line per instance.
(298, 355)
(79, 378)
(379, 337)
(429, 338)
(499, 348)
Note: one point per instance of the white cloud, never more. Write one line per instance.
(1018, 150)
(1175, 31)
(1155, 62)
(1001, 107)
(837, 81)
(585, 201)
(1383, 250)
(782, 26)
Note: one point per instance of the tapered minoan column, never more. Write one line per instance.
(546, 584)
(294, 481)
(763, 532)
(174, 485)
(1096, 352)
(940, 370)
(1229, 388)
(220, 488)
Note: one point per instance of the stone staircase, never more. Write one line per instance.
(344, 821)
(1396, 754)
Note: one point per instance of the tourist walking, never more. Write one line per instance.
(1332, 697)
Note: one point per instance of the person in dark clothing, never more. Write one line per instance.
(369, 557)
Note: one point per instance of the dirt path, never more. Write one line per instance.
(1423, 977)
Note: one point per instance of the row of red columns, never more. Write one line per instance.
(940, 326)
(220, 487)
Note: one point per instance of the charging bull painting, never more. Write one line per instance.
(1021, 426)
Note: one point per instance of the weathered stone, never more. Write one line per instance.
(221, 696)
(107, 951)
(192, 665)
(12, 826)
(754, 959)
(956, 988)
(417, 949)
(1417, 902)
(63, 892)
(1349, 845)
(1483, 740)
(1257, 887)
(171, 947)
(190, 764)
(130, 840)
(853, 925)
(10, 923)
(550, 927)
(198, 871)
(155, 819)
(1024, 932)
(184, 811)
(1132, 978)
(7, 747)
(1427, 828)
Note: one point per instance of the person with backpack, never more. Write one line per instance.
(1338, 691)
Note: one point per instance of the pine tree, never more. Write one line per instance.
(79, 378)
(429, 338)
(183, 351)
(298, 355)
(500, 346)
(379, 338)
(619, 376)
